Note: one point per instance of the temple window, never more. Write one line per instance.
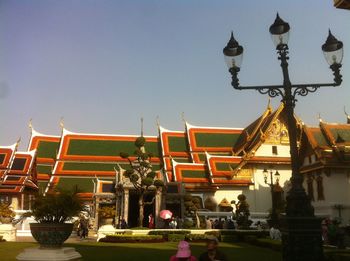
(274, 150)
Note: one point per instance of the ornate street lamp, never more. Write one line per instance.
(301, 230)
(271, 183)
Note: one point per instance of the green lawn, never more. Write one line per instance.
(151, 251)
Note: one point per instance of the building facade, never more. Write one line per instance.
(213, 164)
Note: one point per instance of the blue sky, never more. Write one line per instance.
(103, 64)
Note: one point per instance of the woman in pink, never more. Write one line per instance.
(183, 253)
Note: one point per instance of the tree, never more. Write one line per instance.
(192, 204)
(141, 175)
(242, 212)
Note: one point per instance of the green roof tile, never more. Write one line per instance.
(47, 149)
(343, 134)
(320, 139)
(216, 139)
(225, 166)
(107, 147)
(84, 184)
(177, 144)
(44, 169)
(193, 174)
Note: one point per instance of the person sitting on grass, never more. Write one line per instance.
(212, 253)
(183, 253)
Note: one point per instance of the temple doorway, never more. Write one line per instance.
(133, 214)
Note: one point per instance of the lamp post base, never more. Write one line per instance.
(301, 239)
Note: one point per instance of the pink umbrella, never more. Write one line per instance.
(165, 214)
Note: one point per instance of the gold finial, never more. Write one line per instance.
(18, 141)
(142, 126)
(30, 125)
(319, 118)
(347, 116)
(269, 106)
(183, 117)
(157, 121)
(62, 123)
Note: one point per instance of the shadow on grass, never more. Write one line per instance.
(92, 251)
(163, 251)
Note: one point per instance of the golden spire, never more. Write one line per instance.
(141, 126)
(347, 116)
(30, 125)
(62, 123)
(158, 122)
(183, 117)
(18, 141)
(319, 118)
(269, 107)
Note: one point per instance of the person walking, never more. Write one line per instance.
(212, 253)
(183, 253)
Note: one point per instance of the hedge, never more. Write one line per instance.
(175, 237)
(126, 238)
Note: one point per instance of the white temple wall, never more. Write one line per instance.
(259, 194)
(337, 197)
(267, 150)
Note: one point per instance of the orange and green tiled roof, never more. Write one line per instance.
(225, 170)
(21, 173)
(190, 172)
(6, 156)
(331, 144)
(211, 139)
(106, 148)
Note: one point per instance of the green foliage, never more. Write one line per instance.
(147, 181)
(133, 238)
(141, 175)
(128, 173)
(140, 142)
(57, 207)
(158, 183)
(176, 237)
(170, 232)
(6, 210)
(188, 224)
(151, 174)
(242, 212)
(124, 155)
(134, 177)
(196, 237)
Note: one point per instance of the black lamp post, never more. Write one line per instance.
(301, 230)
(271, 183)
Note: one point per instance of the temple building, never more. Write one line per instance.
(214, 164)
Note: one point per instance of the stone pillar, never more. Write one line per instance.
(97, 206)
(126, 204)
(157, 207)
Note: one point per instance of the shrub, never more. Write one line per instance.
(126, 238)
(170, 231)
(188, 224)
(170, 234)
(196, 237)
(176, 237)
(56, 207)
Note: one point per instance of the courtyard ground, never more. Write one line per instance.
(135, 251)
